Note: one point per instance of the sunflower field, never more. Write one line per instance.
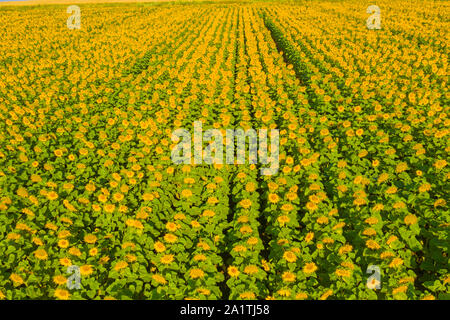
(87, 180)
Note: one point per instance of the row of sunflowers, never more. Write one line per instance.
(87, 180)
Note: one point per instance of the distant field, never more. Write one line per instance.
(69, 2)
(91, 118)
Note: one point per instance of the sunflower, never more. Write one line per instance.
(246, 229)
(171, 226)
(75, 251)
(62, 294)
(203, 245)
(301, 296)
(424, 187)
(60, 280)
(16, 279)
(102, 198)
(170, 238)
(343, 273)
(386, 254)
(63, 243)
(326, 295)
(391, 239)
(311, 206)
(159, 279)
(391, 190)
(52, 195)
(371, 220)
(109, 208)
(167, 259)
(212, 200)
(186, 193)
(209, 213)
(289, 256)
(103, 260)
(204, 291)
(369, 232)
(251, 269)
(309, 236)
(118, 196)
(233, 271)
(410, 219)
(195, 224)
(200, 257)
(131, 258)
(120, 265)
(284, 292)
(90, 187)
(273, 198)
(372, 244)
(291, 196)
(314, 199)
(288, 276)
(196, 273)
(38, 241)
(396, 262)
(86, 270)
(247, 295)
(159, 246)
(322, 220)
(41, 254)
(359, 201)
(246, 203)
(65, 262)
(400, 289)
(239, 248)
(283, 220)
(348, 264)
(378, 207)
(310, 268)
(440, 164)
